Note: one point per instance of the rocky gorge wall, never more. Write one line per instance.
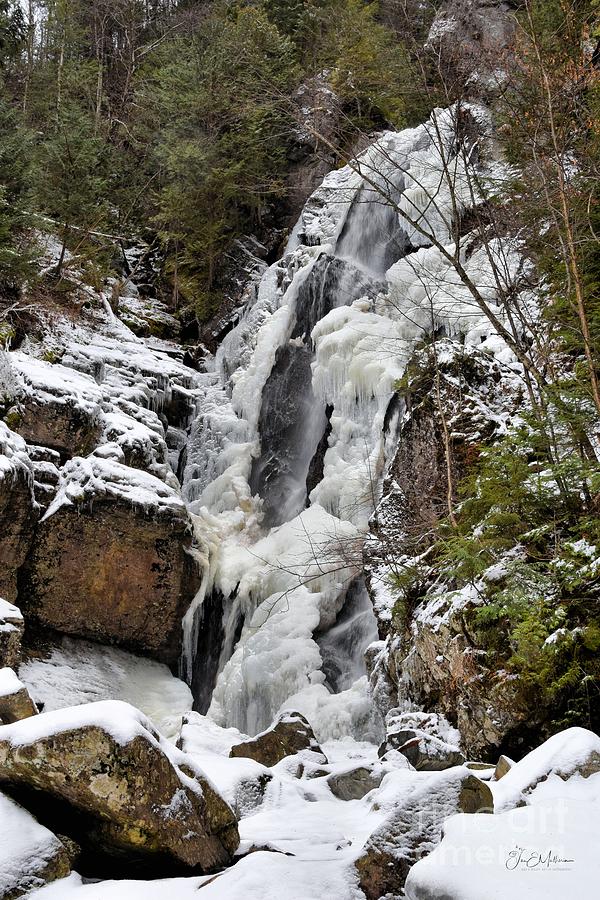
(217, 514)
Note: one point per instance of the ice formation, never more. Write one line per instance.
(296, 423)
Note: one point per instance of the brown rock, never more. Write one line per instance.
(11, 634)
(15, 702)
(290, 734)
(414, 829)
(102, 768)
(356, 783)
(114, 565)
(503, 766)
(18, 512)
(62, 424)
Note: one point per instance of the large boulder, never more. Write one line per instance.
(426, 739)
(414, 828)
(30, 855)
(356, 782)
(15, 702)
(103, 774)
(57, 407)
(111, 560)
(18, 510)
(289, 734)
(575, 751)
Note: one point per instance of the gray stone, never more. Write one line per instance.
(355, 783)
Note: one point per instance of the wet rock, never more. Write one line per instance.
(290, 734)
(30, 855)
(111, 560)
(18, 510)
(355, 783)
(15, 702)
(414, 829)
(104, 774)
(11, 633)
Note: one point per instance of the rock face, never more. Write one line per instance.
(430, 657)
(15, 702)
(130, 794)
(111, 561)
(30, 855)
(414, 829)
(69, 428)
(11, 633)
(18, 511)
(290, 734)
(473, 37)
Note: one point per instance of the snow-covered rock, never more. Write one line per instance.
(11, 632)
(289, 735)
(30, 855)
(542, 852)
(134, 792)
(575, 751)
(112, 559)
(414, 827)
(15, 702)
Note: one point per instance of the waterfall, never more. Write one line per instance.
(292, 420)
(292, 436)
(343, 645)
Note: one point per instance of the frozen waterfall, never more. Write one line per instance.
(291, 439)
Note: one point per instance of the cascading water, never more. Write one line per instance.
(292, 420)
(343, 646)
(290, 442)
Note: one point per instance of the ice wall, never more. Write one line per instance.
(302, 386)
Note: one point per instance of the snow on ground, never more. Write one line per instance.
(541, 842)
(26, 848)
(78, 671)
(548, 851)
(261, 876)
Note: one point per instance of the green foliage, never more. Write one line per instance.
(221, 143)
(15, 161)
(72, 176)
(370, 68)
